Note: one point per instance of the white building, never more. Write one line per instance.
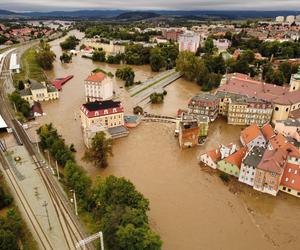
(222, 44)
(98, 87)
(14, 67)
(298, 18)
(249, 164)
(279, 19)
(290, 19)
(189, 41)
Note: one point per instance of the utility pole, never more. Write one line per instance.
(57, 170)
(37, 143)
(45, 204)
(75, 201)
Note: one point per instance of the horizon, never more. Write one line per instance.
(155, 5)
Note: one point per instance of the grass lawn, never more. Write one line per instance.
(30, 68)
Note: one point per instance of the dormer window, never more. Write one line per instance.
(96, 113)
(114, 110)
(105, 111)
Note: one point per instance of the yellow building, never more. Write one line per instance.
(109, 48)
(38, 92)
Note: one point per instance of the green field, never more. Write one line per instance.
(29, 68)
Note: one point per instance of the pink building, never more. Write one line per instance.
(289, 128)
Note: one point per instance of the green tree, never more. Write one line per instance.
(21, 105)
(99, 151)
(137, 238)
(126, 74)
(157, 61)
(99, 56)
(65, 57)
(286, 69)
(186, 64)
(8, 241)
(45, 58)
(70, 43)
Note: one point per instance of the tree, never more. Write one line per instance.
(44, 56)
(186, 63)
(70, 43)
(157, 61)
(21, 105)
(126, 74)
(20, 85)
(5, 200)
(100, 150)
(99, 56)
(248, 56)
(286, 69)
(136, 238)
(209, 46)
(65, 58)
(8, 241)
(275, 77)
(157, 98)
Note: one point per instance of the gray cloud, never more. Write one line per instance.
(48, 5)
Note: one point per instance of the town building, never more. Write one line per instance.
(249, 164)
(172, 34)
(279, 19)
(212, 157)
(98, 87)
(268, 131)
(189, 41)
(290, 19)
(270, 170)
(188, 134)
(38, 92)
(245, 111)
(105, 114)
(252, 136)
(290, 181)
(204, 104)
(222, 44)
(110, 48)
(289, 128)
(285, 101)
(231, 164)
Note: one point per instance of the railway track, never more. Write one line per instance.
(71, 229)
(42, 236)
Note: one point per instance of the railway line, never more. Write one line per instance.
(68, 222)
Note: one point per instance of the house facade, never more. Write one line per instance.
(252, 136)
(269, 171)
(98, 87)
(289, 128)
(104, 114)
(231, 164)
(189, 41)
(38, 92)
(204, 104)
(249, 164)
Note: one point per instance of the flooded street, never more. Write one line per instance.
(190, 208)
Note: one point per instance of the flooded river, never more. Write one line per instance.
(190, 208)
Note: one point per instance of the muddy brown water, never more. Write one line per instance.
(190, 208)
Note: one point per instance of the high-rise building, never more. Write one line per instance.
(279, 19)
(290, 19)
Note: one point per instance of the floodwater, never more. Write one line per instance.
(190, 207)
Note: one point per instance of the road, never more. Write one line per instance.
(70, 230)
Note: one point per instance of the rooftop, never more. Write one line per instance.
(254, 156)
(267, 131)
(97, 77)
(291, 176)
(98, 105)
(237, 157)
(273, 161)
(250, 133)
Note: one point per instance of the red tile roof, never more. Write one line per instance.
(237, 157)
(273, 161)
(97, 77)
(267, 131)
(291, 177)
(250, 133)
(244, 85)
(278, 141)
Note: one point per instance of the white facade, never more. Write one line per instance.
(290, 19)
(208, 161)
(189, 41)
(247, 174)
(279, 19)
(98, 90)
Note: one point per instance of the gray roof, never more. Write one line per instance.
(290, 122)
(36, 85)
(254, 156)
(25, 92)
(205, 97)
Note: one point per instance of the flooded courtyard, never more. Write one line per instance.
(190, 208)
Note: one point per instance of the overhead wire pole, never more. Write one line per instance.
(45, 204)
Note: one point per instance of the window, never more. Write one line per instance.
(284, 188)
(287, 109)
(286, 179)
(289, 190)
(276, 108)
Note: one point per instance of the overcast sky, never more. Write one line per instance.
(49, 5)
